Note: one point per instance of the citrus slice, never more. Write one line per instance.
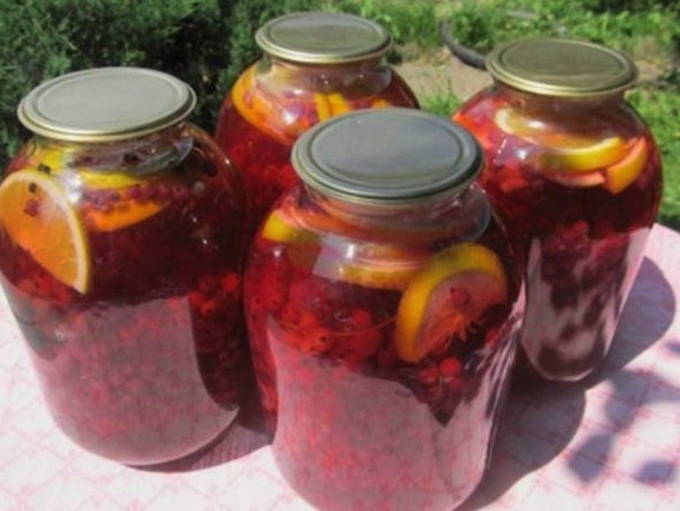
(576, 179)
(124, 213)
(323, 108)
(109, 180)
(281, 228)
(338, 104)
(373, 265)
(448, 294)
(260, 111)
(563, 152)
(37, 215)
(622, 174)
(380, 103)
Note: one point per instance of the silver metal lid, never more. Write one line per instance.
(561, 67)
(387, 156)
(106, 104)
(323, 38)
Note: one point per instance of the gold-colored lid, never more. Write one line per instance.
(387, 156)
(106, 104)
(561, 67)
(323, 38)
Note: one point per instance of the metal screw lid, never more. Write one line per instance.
(323, 38)
(106, 104)
(387, 156)
(561, 67)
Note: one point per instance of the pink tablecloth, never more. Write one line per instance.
(612, 443)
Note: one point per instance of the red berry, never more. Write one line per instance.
(428, 375)
(209, 308)
(450, 367)
(196, 299)
(231, 283)
(318, 340)
(361, 319)
(207, 284)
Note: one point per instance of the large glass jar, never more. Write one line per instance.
(382, 300)
(120, 254)
(315, 66)
(576, 173)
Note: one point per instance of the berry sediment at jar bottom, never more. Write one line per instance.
(308, 74)
(382, 338)
(121, 263)
(578, 180)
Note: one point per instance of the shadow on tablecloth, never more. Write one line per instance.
(541, 420)
(244, 436)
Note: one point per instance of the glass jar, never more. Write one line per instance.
(315, 65)
(120, 255)
(381, 301)
(576, 173)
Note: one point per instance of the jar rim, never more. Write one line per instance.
(106, 104)
(537, 65)
(323, 38)
(392, 156)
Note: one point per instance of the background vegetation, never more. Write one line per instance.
(208, 42)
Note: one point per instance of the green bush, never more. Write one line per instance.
(204, 42)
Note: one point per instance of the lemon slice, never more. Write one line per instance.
(124, 213)
(37, 215)
(576, 179)
(450, 292)
(562, 152)
(338, 104)
(375, 265)
(280, 228)
(622, 174)
(59, 161)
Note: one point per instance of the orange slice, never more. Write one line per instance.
(338, 104)
(323, 108)
(563, 152)
(449, 293)
(124, 214)
(622, 174)
(37, 215)
(380, 103)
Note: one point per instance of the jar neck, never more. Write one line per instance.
(145, 154)
(537, 104)
(373, 74)
(461, 215)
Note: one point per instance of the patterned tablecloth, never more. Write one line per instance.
(612, 443)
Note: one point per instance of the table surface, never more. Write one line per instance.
(611, 443)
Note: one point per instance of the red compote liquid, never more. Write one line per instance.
(383, 335)
(121, 262)
(578, 180)
(308, 75)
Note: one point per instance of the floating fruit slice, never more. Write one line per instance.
(375, 266)
(449, 293)
(338, 104)
(280, 228)
(123, 213)
(37, 215)
(323, 109)
(259, 111)
(109, 180)
(563, 152)
(380, 103)
(576, 179)
(622, 174)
